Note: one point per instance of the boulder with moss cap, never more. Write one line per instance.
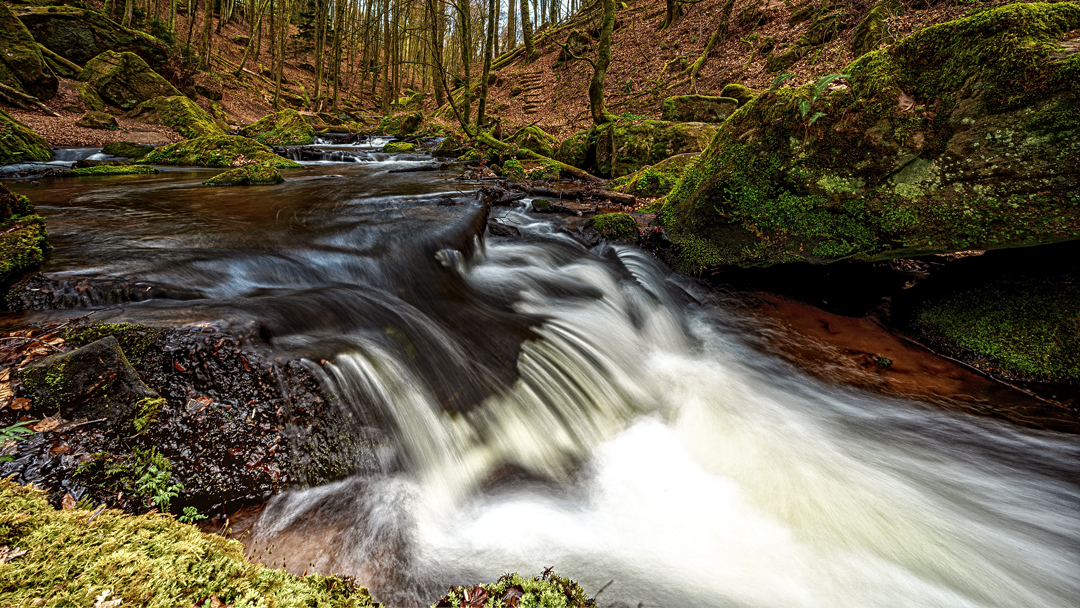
(285, 128)
(20, 143)
(639, 144)
(928, 147)
(178, 112)
(247, 175)
(217, 151)
(125, 80)
(698, 108)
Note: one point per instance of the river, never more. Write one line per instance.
(544, 404)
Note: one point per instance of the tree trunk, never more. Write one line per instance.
(129, 9)
(527, 32)
(488, 47)
(511, 24)
(464, 28)
(603, 60)
(251, 39)
(208, 22)
(387, 43)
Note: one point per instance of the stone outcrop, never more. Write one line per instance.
(622, 148)
(284, 128)
(79, 34)
(247, 175)
(98, 120)
(217, 151)
(21, 65)
(125, 80)
(698, 108)
(178, 112)
(21, 143)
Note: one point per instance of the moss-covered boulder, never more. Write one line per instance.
(400, 125)
(614, 226)
(638, 145)
(21, 65)
(125, 80)
(698, 108)
(86, 97)
(931, 146)
(103, 170)
(19, 142)
(217, 151)
(22, 235)
(738, 92)
(654, 180)
(80, 34)
(178, 112)
(143, 558)
(98, 120)
(59, 66)
(127, 149)
(536, 139)
(399, 147)
(284, 128)
(451, 145)
(574, 150)
(871, 32)
(247, 175)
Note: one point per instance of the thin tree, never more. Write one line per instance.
(527, 31)
(603, 60)
(488, 46)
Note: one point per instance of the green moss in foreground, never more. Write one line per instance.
(247, 175)
(397, 147)
(23, 242)
(549, 590)
(150, 560)
(615, 226)
(1027, 329)
(115, 170)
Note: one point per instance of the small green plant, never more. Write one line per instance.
(549, 170)
(805, 105)
(190, 516)
(513, 169)
(155, 483)
(15, 432)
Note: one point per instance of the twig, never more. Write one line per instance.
(39, 341)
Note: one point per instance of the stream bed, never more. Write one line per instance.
(544, 404)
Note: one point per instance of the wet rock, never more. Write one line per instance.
(698, 108)
(450, 146)
(39, 292)
(399, 148)
(497, 228)
(98, 120)
(21, 65)
(178, 112)
(92, 382)
(615, 226)
(21, 143)
(248, 175)
(285, 128)
(125, 80)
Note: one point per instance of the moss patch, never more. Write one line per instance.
(98, 120)
(400, 125)
(22, 66)
(19, 143)
(115, 170)
(285, 128)
(127, 149)
(513, 169)
(614, 226)
(547, 590)
(536, 139)
(247, 175)
(125, 80)
(142, 560)
(179, 113)
(548, 170)
(655, 180)
(217, 151)
(698, 108)
(396, 147)
(23, 243)
(574, 150)
(622, 148)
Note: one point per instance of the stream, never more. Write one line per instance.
(541, 404)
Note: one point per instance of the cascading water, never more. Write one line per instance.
(535, 403)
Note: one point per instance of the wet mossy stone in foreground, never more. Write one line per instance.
(285, 128)
(20, 143)
(179, 113)
(217, 151)
(928, 146)
(248, 175)
(398, 147)
(144, 560)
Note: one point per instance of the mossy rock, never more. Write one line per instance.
(698, 108)
(125, 80)
(22, 66)
(104, 170)
(179, 113)
(400, 125)
(23, 239)
(547, 171)
(451, 145)
(399, 147)
(871, 32)
(655, 180)
(89, 100)
(574, 150)
(513, 169)
(80, 34)
(147, 559)
(578, 42)
(127, 149)
(284, 128)
(98, 120)
(535, 139)
(638, 145)
(1025, 328)
(209, 86)
(248, 175)
(217, 151)
(738, 92)
(548, 589)
(13, 204)
(932, 148)
(20, 143)
(59, 66)
(615, 226)
(789, 57)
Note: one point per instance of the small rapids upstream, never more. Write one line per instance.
(539, 404)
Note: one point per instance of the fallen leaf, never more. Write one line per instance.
(68, 502)
(47, 424)
(7, 554)
(60, 448)
(906, 102)
(21, 403)
(9, 448)
(5, 388)
(215, 602)
(103, 601)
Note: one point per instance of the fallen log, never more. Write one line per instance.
(628, 200)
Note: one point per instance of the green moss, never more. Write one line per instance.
(871, 32)
(1028, 329)
(19, 143)
(179, 113)
(550, 590)
(98, 120)
(623, 148)
(127, 149)
(738, 92)
(536, 139)
(400, 125)
(615, 226)
(115, 170)
(513, 169)
(574, 150)
(395, 147)
(13, 204)
(471, 154)
(655, 180)
(218, 151)
(547, 170)
(285, 128)
(698, 108)
(125, 80)
(142, 560)
(22, 66)
(23, 243)
(90, 99)
(247, 175)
